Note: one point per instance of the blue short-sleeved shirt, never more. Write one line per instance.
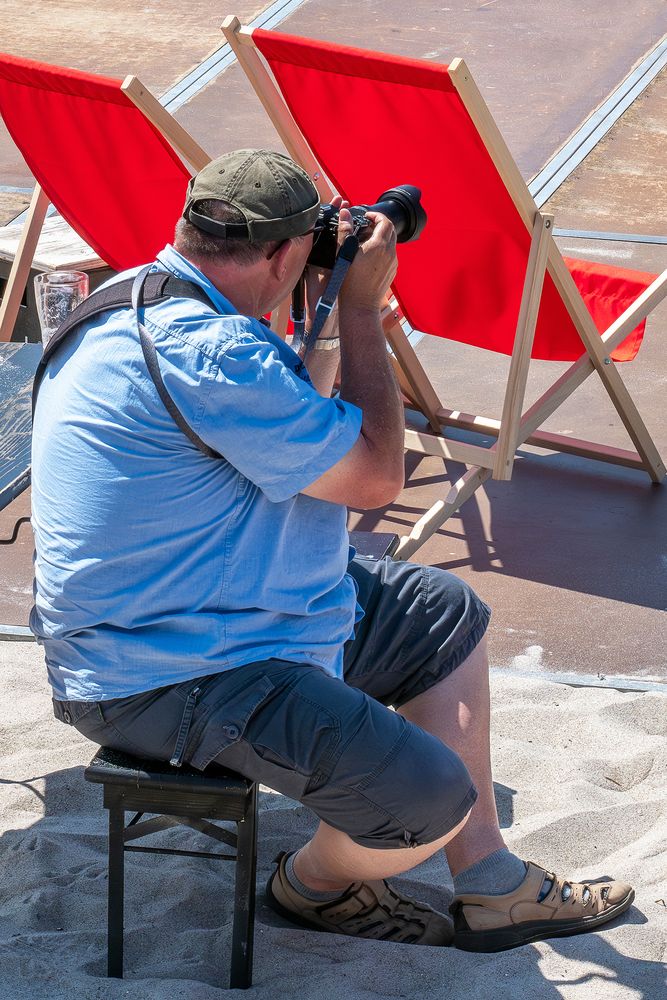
(154, 563)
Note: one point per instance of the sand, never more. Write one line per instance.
(580, 780)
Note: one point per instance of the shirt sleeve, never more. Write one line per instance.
(270, 424)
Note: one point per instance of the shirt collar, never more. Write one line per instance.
(181, 267)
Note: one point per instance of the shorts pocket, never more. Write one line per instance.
(286, 739)
(224, 724)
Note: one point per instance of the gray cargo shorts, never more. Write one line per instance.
(334, 746)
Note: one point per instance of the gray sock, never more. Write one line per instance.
(494, 875)
(303, 890)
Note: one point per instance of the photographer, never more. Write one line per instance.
(193, 594)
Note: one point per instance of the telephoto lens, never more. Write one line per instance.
(402, 205)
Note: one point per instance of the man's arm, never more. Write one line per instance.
(371, 474)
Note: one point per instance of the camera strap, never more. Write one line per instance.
(304, 339)
(153, 366)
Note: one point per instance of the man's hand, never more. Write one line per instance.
(374, 267)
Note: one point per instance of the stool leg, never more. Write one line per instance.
(116, 892)
(244, 896)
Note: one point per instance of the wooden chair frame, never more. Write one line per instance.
(516, 426)
(175, 134)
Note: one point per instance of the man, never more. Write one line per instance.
(193, 593)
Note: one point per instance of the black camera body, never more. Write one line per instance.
(401, 205)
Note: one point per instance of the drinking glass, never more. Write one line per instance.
(57, 293)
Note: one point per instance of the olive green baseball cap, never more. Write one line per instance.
(276, 197)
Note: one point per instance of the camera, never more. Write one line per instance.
(400, 204)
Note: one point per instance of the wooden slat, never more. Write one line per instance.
(426, 443)
(59, 247)
(523, 344)
(20, 271)
(165, 123)
(634, 314)
(545, 439)
(420, 385)
(492, 138)
(441, 510)
(240, 40)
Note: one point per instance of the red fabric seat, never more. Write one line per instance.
(374, 121)
(102, 164)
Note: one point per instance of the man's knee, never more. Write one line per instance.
(416, 794)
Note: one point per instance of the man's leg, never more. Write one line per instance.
(423, 635)
(331, 860)
(457, 711)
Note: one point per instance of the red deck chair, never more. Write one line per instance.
(486, 271)
(105, 153)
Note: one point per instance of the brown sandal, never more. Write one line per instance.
(365, 909)
(496, 923)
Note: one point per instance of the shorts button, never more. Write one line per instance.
(231, 731)
(67, 717)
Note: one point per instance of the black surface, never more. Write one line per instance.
(18, 363)
(374, 544)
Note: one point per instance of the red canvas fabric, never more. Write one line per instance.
(375, 121)
(106, 169)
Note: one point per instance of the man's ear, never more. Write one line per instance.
(278, 260)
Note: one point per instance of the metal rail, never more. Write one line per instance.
(584, 234)
(616, 683)
(222, 58)
(562, 164)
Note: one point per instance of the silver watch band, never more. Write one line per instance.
(326, 344)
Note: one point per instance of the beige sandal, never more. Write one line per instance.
(364, 909)
(496, 923)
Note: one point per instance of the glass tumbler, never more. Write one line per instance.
(57, 293)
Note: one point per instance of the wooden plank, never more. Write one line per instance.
(174, 133)
(586, 449)
(492, 138)
(634, 314)
(20, 271)
(545, 439)
(436, 516)
(240, 39)
(59, 247)
(426, 443)
(515, 390)
(420, 385)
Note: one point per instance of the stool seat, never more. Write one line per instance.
(178, 796)
(118, 768)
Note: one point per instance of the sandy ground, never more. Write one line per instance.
(580, 787)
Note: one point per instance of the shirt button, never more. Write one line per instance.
(67, 717)
(231, 731)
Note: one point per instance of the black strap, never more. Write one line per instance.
(154, 287)
(150, 357)
(305, 339)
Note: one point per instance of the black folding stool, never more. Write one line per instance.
(179, 797)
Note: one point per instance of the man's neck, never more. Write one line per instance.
(244, 286)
